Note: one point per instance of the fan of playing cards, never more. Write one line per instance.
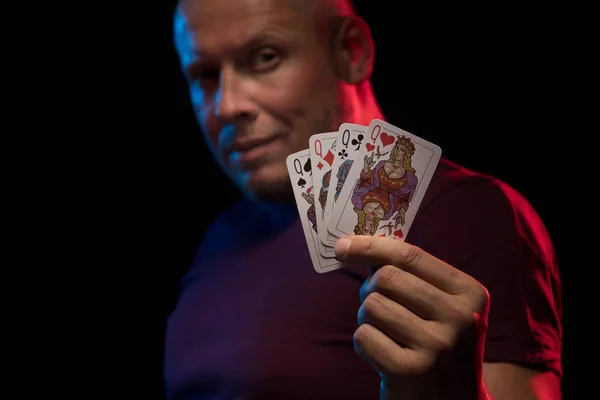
(360, 180)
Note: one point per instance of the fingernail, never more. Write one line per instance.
(341, 248)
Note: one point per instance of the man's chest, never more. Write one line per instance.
(265, 327)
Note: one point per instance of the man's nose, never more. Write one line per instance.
(233, 98)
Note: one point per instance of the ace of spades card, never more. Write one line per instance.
(386, 183)
(350, 139)
(322, 148)
(300, 171)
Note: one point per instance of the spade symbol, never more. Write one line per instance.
(307, 166)
(301, 183)
(357, 141)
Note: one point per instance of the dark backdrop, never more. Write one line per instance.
(490, 86)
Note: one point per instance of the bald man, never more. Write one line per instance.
(254, 321)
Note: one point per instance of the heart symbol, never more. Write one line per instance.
(398, 233)
(370, 147)
(386, 139)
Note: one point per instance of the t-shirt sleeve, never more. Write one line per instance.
(486, 229)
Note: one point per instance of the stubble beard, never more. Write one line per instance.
(281, 190)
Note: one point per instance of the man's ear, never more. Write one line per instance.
(354, 49)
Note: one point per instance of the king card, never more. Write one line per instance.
(386, 183)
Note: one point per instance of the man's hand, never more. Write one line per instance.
(422, 322)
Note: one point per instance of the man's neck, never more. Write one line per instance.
(280, 213)
(359, 105)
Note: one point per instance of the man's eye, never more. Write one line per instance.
(205, 78)
(208, 74)
(265, 60)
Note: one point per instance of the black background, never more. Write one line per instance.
(494, 87)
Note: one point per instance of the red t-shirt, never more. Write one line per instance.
(255, 321)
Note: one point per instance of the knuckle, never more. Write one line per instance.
(369, 308)
(360, 338)
(444, 343)
(481, 297)
(461, 314)
(434, 339)
(409, 254)
(477, 298)
(422, 365)
(372, 246)
(456, 310)
(462, 322)
(372, 303)
(385, 277)
(466, 319)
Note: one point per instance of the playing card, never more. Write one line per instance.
(322, 155)
(386, 183)
(350, 139)
(300, 171)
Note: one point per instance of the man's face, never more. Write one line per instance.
(261, 83)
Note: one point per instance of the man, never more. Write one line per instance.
(468, 307)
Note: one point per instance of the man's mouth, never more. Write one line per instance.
(250, 150)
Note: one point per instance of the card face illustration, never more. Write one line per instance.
(385, 184)
(300, 170)
(322, 155)
(350, 139)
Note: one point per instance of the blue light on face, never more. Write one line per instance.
(226, 137)
(241, 177)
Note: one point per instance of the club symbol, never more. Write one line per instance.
(342, 154)
(357, 142)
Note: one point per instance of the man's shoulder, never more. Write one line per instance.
(452, 181)
(479, 208)
(450, 175)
